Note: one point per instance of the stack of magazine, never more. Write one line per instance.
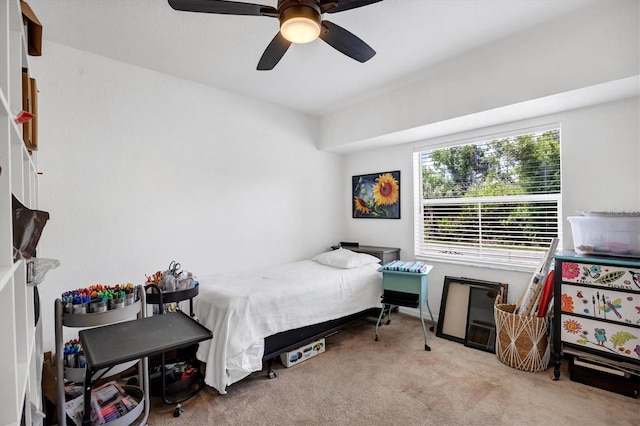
(415, 266)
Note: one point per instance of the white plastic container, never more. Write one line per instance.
(303, 353)
(608, 235)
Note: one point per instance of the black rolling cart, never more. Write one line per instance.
(189, 386)
(138, 338)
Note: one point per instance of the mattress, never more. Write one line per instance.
(242, 309)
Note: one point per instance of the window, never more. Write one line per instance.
(493, 202)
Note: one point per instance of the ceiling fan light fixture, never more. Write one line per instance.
(300, 24)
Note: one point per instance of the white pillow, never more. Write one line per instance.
(345, 259)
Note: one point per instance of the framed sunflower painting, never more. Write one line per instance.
(376, 195)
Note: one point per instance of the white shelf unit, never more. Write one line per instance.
(21, 337)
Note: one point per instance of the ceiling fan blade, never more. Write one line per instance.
(343, 5)
(223, 7)
(273, 53)
(345, 42)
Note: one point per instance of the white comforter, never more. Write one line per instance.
(241, 309)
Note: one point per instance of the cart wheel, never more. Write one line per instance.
(431, 328)
(388, 321)
(271, 374)
(177, 411)
(376, 337)
(427, 348)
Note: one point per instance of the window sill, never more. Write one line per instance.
(478, 264)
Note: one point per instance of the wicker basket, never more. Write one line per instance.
(521, 341)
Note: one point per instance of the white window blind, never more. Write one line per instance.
(494, 202)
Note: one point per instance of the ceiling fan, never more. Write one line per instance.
(300, 22)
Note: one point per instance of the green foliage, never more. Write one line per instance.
(518, 166)
(526, 164)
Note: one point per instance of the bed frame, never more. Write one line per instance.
(286, 341)
(292, 339)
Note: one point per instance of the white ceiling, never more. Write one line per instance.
(223, 50)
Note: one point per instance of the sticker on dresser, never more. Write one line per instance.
(615, 339)
(600, 275)
(601, 303)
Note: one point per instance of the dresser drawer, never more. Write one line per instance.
(601, 303)
(606, 276)
(605, 337)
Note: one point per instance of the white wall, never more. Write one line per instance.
(595, 45)
(140, 169)
(600, 147)
(585, 58)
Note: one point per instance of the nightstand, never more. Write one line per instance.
(385, 254)
(407, 289)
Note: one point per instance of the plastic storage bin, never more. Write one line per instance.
(607, 235)
(303, 353)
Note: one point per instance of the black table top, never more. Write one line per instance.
(125, 341)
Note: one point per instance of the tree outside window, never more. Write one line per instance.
(494, 201)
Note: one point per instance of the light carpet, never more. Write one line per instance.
(394, 381)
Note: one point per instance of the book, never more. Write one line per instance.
(74, 409)
(415, 266)
(390, 265)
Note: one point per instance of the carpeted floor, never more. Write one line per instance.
(394, 381)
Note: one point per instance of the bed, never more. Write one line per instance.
(259, 314)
